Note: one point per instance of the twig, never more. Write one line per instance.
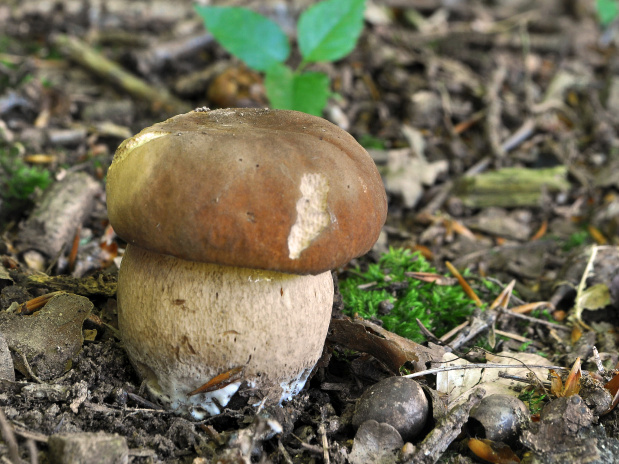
(28, 435)
(32, 451)
(493, 116)
(453, 331)
(526, 52)
(9, 438)
(448, 429)
(27, 366)
(478, 324)
(95, 62)
(581, 286)
(325, 443)
(426, 332)
(284, 452)
(598, 361)
(534, 320)
(527, 380)
(522, 133)
(436, 370)
(513, 336)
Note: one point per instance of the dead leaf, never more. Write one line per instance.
(458, 384)
(595, 297)
(495, 452)
(49, 338)
(394, 351)
(408, 171)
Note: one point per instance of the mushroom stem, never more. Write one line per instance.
(183, 323)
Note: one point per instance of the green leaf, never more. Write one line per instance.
(251, 37)
(307, 92)
(607, 11)
(329, 30)
(279, 87)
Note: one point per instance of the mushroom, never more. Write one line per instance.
(233, 219)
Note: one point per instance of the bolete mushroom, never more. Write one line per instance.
(233, 220)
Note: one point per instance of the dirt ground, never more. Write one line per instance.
(495, 128)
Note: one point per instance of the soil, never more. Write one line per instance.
(494, 125)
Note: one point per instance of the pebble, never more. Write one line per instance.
(397, 401)
(498, 418)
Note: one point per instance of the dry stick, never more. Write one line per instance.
(284, 452)
(436, 370)
(493, 116)
(529, 91)
(325, 443)
(24, 360)
(518, 338)
(62, 208)
(446, 431)
(598, 361)
(534, 320)
(479, 323)
(453, 331)
(32, 451)
(109, 70)
(519, 378)
(28, 435)
(9, 438)
(581, 287)
(322, 431)
(525, 131)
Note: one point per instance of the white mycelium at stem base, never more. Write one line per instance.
(183, 323)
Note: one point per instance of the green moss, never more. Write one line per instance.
(575, 240)
(18, 179)
(440, 308)
(534, 399)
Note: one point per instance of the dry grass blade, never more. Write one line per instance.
(219, 381)
(460, 229)
(528, 307)
(572, 383)
(463, 283)
(9, 438)
(503, 299)
(541, 231)
(74, 247)
(37, 303)
(430, 277)
(597, 235)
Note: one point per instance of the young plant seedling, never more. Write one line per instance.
(607, 11)
(328, 31)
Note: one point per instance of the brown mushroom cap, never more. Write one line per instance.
(267, 189)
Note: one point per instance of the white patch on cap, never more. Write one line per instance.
(312, 215)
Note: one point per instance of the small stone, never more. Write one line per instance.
(385, 307)
(498, 418)
(88, 448)
(397, 401)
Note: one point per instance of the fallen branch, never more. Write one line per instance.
(92, 60)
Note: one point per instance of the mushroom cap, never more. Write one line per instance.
(267, 189)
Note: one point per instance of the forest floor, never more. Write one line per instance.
(495, 126)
